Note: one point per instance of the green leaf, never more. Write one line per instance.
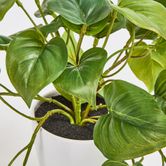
(4, 42)
(32, 64)
(134, 127)
(144, 65)
(147, 14)
(160, 85)
(114, 163)
(82, 80)
(91, 30)
(80, 11)
(120, 23)
(52, 27)
(44, 9)
(71, 47)
(5, 5)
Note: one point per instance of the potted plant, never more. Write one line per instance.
(125, 121)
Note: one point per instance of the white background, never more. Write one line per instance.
(15, 131)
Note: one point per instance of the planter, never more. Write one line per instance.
(54, 150)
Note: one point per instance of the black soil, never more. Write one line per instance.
(59, 124)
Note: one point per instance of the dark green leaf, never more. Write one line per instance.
(82, 80)
(32, 64)
(120, 23)
(5, 5)
(160, 85)
(80, 11)
(135, 125)
(91, 30)
(52, 27)
(146, 14)
(163, 2)
(114, 163)
(4, 42)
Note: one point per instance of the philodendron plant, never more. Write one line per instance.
(43, 54)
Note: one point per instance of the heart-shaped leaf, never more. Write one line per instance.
(147, 14)
(5, 5)
(82, 80)
(32, 64)
(134, 127)
(80, 11)
(114, 163)
(146, 64)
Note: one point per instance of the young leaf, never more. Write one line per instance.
(82, 80)
(32, 64)
(114, 163)
(147, 14)
(144, 65)
(80, 11)
(135, 125)
(5, 5)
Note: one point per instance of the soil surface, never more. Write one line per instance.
(59, 124)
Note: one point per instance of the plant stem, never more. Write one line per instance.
(27, 14)
(83, 31)
(89, 120)
(50, 113)
(114, 16)
(11, 107)
(162, 157)
(77, 110)
(50, 100)
(68, 36)
(17, 155)
(133, 161)
(95, 42)
(5, 88)
(42, 14)
(86, 112)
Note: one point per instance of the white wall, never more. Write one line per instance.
(15, 131)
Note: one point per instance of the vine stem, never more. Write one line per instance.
(163, 157)
(114, 16)
(27, 14)
(32, 140)
(16, 111)
(50, 100)
(42, 14)
(86, 112)
(88, 120)
(83, 31)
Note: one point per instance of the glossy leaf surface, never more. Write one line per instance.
(147, 14)
(82, 80)
(135, 125)
(5, 5)
(80, 11)
(32, 64)
(160, 85)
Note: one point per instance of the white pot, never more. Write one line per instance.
(53, 150)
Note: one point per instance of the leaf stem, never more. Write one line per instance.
(77, 109)
(95, 42)
(88, 120)
(163, 157)
(50, 100)
(114, 16)
(42, 14)
(86, 112)
(27, 14)
(16, 111)
(83, 31)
